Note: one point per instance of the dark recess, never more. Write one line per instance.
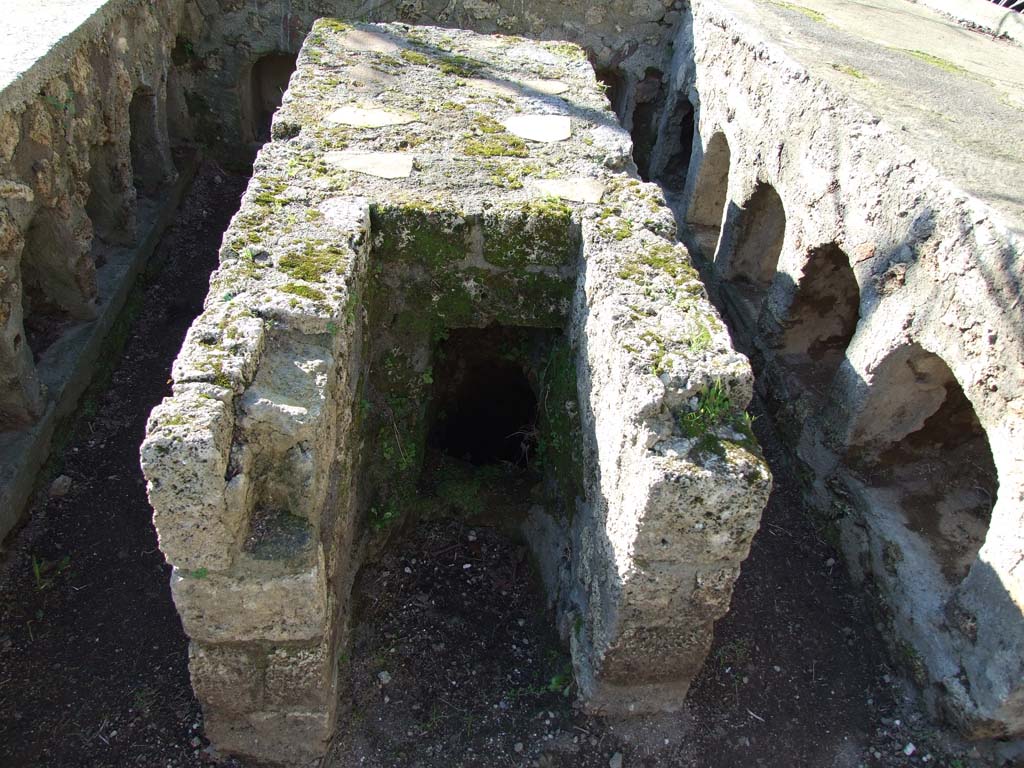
(485, 406)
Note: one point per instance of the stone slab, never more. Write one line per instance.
(576, 190)
(540, 128)
(384, 165)
(363, 117)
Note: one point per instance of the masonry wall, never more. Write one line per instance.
(880, 306)
(377, 222)
(225, 40)
(84, 143)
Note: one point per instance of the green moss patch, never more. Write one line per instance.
(305, 291)
(314, 262)
(936, 61)
(415, 57)
(419, 231)
(808, 12)
(496, 145)
(537, 232)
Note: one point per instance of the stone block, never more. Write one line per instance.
(185, 460)
(216, 608)
(226, 678)
(300, 677)
(286, 737)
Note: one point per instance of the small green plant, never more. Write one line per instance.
(47, 571)
(383, 516)
(735, 653)
(713, 408)
(560, 681)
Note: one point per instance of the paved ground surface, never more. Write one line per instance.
(956, 95)
(997, 20)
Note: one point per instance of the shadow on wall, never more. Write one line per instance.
(678, 142)
(148, 164)
(917, 461)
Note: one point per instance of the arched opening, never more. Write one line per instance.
(681, 130)
(148, 152)
(822, 318)
(263, 92)
(709, 195)
(649, 97)
(920, 446)
(761, 228)
(107, 206)
(46, 289)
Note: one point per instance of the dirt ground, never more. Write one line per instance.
(454, 661)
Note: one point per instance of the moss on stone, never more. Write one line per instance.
(566, 50)
(537, 232)
(314, 262)
(496, 145)
(810, 13)
(662, 258)
(306, 291)
(487, 124)
(333, 25)
(560, 442)
(419, 231)
(456, 64)
(510, 175)
(415, 57)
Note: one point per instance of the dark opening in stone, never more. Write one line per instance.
(614, 88)
(649, 99)
(267, 83)
(681, 126)
(486, 408)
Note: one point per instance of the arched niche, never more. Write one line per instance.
(760, 231)
(919, 441)
(710, 190)
(822, 317)
(262, 90)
